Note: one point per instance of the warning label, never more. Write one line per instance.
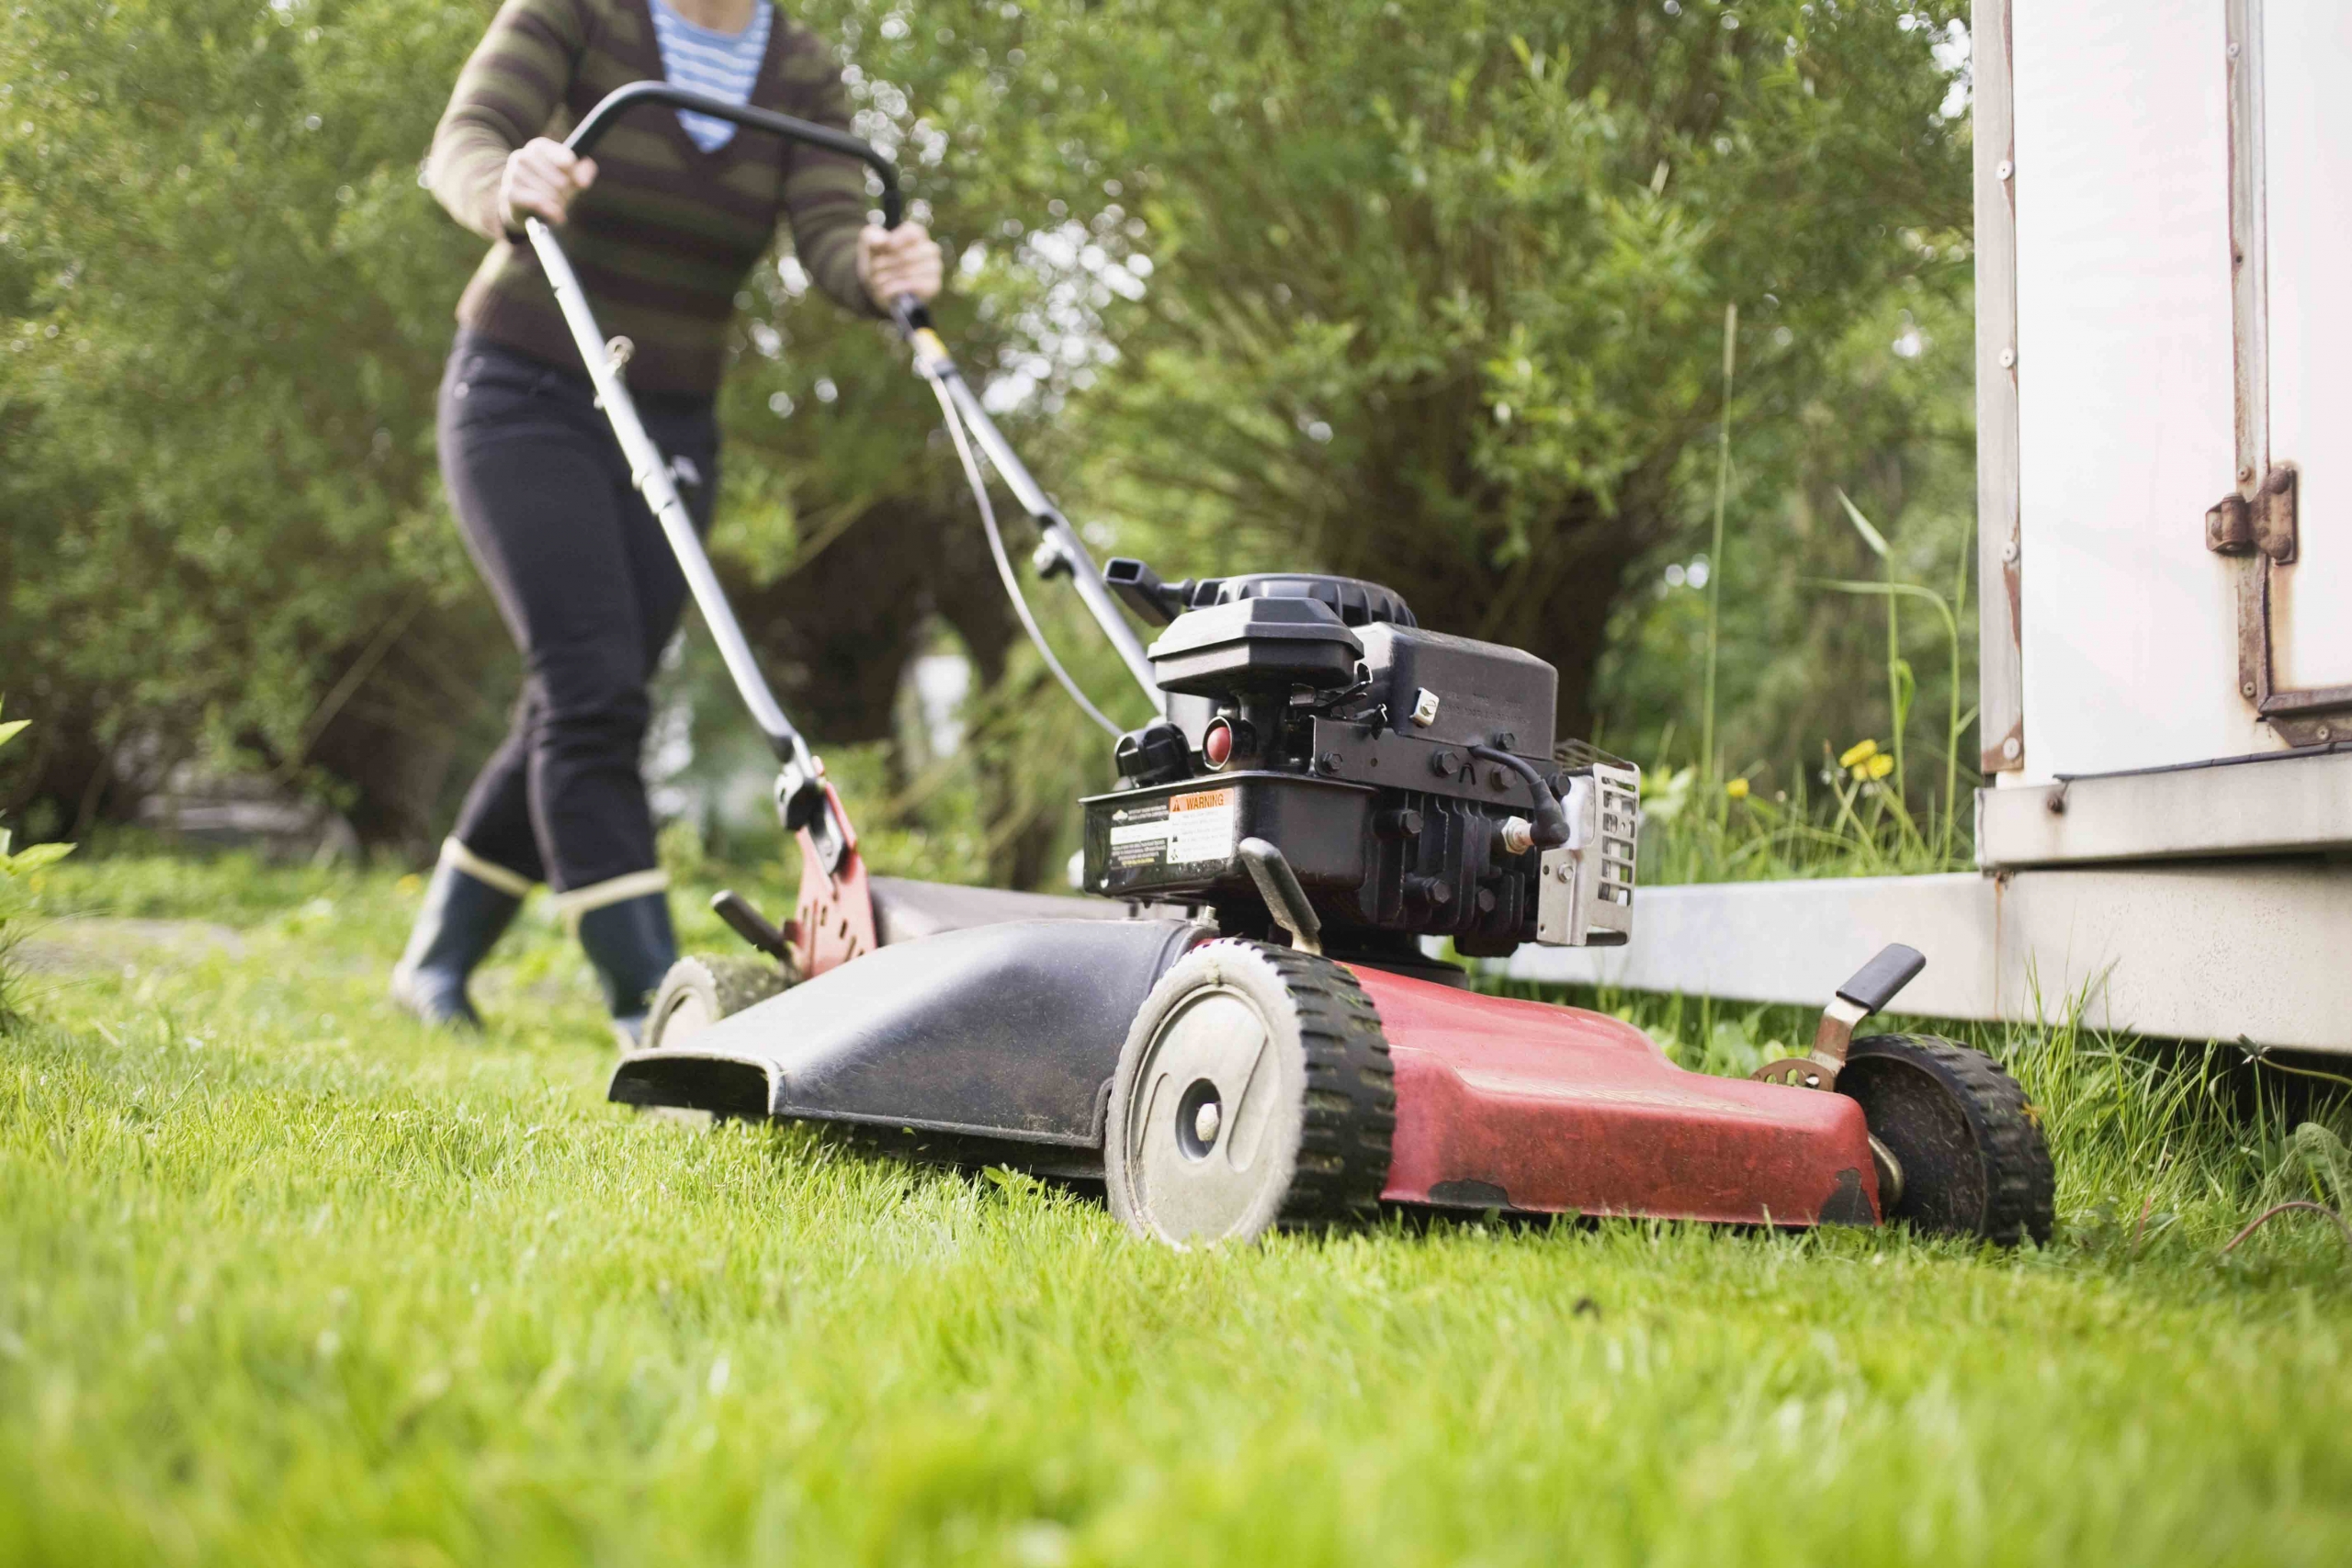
(1188, 831)
(1200, 826)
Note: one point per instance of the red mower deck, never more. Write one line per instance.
(1537, 1108)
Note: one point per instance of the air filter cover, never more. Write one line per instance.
(1255, 644)
(1357, 601)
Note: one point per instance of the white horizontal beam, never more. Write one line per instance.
(2262, 949)
(2282, 805)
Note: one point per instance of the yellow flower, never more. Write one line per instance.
(1736, 789)
(1860, 752)
(1881, 766)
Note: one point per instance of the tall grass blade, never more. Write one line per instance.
(1707, 764)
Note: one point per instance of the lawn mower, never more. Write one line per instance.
(1240, 1026)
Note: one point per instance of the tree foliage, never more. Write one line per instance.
(1424, 291)
(222, 323)
(1436, 287)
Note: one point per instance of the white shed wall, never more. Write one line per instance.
(2125, 386)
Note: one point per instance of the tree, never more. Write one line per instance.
(225, 301)
(1424, 291)
(1435, 289)
(220, 328)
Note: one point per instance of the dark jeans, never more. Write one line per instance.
(590, 591)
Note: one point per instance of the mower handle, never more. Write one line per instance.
(1063, 551)
(801, 786)
(620, 100)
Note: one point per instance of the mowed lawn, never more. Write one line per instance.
(286, 1280)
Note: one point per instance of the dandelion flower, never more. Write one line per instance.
(1736, 789)
(1860, 752)
(1881, 766)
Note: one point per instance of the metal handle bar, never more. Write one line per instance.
(620, 100)
(1061, 539)
(800, 789)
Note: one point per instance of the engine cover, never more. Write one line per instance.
(1314, 714)
(1485, 694)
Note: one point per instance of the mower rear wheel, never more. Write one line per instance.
(1965, 1140)
(1254, 1091)
(700, 990)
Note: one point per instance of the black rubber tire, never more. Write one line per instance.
(1344, 1114)
(1970, 1144)
(701, 989)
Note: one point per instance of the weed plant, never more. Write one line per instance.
(1705, 823)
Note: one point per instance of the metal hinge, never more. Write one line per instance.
(2237, 525)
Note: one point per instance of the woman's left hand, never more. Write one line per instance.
(904, 260)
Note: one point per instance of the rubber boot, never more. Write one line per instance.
(463, 916)
(632, 947)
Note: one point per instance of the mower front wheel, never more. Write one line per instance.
(1254, 1091)
(700, 990)
(1964, 1143)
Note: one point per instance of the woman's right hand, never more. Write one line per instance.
(541, 178)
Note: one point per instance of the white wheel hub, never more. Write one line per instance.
(1212, 1119)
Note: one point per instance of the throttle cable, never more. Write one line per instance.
(979, 481)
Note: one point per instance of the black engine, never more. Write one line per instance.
(1408, 778)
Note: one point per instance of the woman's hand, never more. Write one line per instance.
(904, 260)
(541, 178)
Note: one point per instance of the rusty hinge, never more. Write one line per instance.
(2237, 526)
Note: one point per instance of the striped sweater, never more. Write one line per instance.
(664, 238)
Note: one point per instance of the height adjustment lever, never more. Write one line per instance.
(747, 922)
(1868, 991)
(1286, 899)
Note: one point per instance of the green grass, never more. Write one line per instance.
(284, 1279)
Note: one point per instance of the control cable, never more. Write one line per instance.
(1004, 572)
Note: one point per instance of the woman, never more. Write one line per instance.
(662, 228)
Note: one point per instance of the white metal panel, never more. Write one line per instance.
(1794, 941)
(2276, 805)
(2185, 952)
(2307, 180)
(2125, 386)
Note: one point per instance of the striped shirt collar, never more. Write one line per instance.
(702, 60)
